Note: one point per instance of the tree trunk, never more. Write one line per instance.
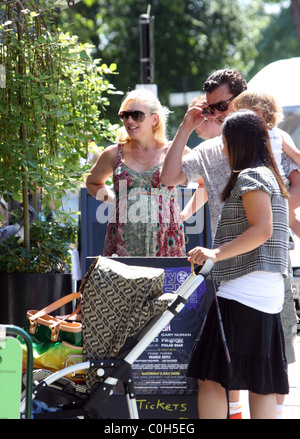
(26, 212)
(295, 9)
(23, 139)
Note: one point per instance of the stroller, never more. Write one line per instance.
(108, 359)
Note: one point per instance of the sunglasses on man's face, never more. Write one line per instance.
(220, 106)
(136, 115)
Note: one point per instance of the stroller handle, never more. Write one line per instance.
(204, 269)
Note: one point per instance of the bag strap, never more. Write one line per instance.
(57, 304)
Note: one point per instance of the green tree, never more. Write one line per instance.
(192, 39)
(275, 42)
(51, 106)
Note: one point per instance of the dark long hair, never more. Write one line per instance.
(248, 145)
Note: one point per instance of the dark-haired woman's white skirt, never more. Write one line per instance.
(255, 343)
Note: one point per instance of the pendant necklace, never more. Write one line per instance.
(148, 161)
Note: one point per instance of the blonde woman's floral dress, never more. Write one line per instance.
(145, 219)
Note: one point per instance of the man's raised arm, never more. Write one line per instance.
(172, 173)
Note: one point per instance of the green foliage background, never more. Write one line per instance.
(192, 39)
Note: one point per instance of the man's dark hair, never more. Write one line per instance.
(234, 79)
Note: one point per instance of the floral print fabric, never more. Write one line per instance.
(146, 219)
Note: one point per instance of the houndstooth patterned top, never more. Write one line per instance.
(272, 255)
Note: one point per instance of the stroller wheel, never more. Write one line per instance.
(62, 399)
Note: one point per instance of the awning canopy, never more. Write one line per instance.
(280, 79)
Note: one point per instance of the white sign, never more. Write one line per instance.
(2, 76)
(151, 87)
(180, 99)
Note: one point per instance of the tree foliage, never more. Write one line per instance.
(192, 39)
(277, 40)
(52, 104)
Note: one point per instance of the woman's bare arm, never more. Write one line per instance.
(99, 174)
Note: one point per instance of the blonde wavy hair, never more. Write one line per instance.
(152, 103)
(263, 104)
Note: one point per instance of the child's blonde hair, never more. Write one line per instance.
(147, 98)
(263, 104)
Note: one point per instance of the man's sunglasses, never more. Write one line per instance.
(137, 115)
(220, 106)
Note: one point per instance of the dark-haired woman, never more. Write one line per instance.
(250, 255)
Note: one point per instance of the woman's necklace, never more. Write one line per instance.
(148, 159)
